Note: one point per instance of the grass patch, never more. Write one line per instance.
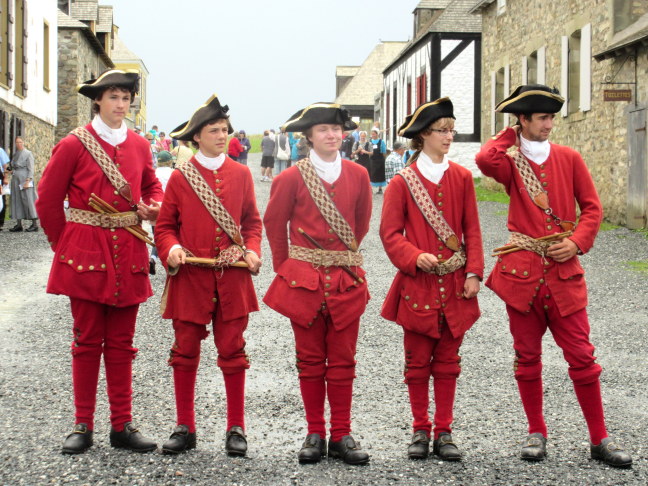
(484, 194)
(607, 226)
(255, 141)
(640, 266)
(503, 212)
(643, 231)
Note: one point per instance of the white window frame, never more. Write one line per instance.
(585, 71)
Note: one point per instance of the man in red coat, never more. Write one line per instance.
(433, 296)
(100, 265)
(318, 214)
(234, 147)
(209, 212)
(538, 274)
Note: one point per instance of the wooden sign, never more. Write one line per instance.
(617, 95)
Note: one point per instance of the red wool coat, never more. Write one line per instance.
(108, 266)
(564, 175)
(416, 298)
(185, 221)
(299, 288)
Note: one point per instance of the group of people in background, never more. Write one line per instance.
(280, 151)
(18, 186)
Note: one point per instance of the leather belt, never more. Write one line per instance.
(112, 220)
(326, 258)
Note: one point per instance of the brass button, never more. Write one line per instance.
(327, 285)
(326, 294)
(525, 273)
(407, 297)
(118, 166)
(440, 203)
(70, 262)
(115, 203)
(219, 230)
(541, 280)
(537, 288)
(218, 189)
(214, 299)
(440, 212)
(442, 289)
(439, 255)
(103, 266)
(415, 306)
(514, 271)
(328, 277)
(440, 194)
(542, 174)
(546, 307)
(116, 247)
(332, 194)
(116, 294)
(134, 267)
(328, 270)
(112, 230)
(80, 267)
(91, 267)
(440, 280)
(549, 226)
(440, 247)
(427, 307)
(548, 220)
(331, 239)
(443, 296)
(546, 263)
(499, 260)
(545, 184)
(310, 324)
(330, 230)
(547, 296)
(293, 283)
(115, 237)
(215, 172)
(62, 257)
(116, 193)
(116, 284)
(116, 266)
(218, 181)
(503, 267)
(218, 238)
(443, 305)
(542, 167)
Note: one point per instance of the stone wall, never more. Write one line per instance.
(37, 134)
(598, 134)
(77, 62)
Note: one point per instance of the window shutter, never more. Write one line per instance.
(586, 68)
(24, 48)
(564, 74)
(10, 47)
(6, 134)
(493, 99)
(542, 59)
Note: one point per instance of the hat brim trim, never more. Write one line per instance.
(307, 109)
(533, 92)
(181, 132)
(418, 111)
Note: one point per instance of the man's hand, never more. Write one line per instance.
(562, 251)
(149, 213)
(426, 262)
(471, 287)
(253, 261)
(176, 258)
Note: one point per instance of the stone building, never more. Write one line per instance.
(356, 86)
(442, 59)
(596, 53)
(85, 37)
(127, 60)
(28, 76)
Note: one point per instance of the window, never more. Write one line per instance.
(46, 57)
(500, 94)
(627, 12)
(21, 48)
(576, 71)
(532, 68)
(421, 88)
(500, 86)
(408, 107)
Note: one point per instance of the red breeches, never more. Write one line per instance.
(102, 329)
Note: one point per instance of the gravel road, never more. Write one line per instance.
(36, 402)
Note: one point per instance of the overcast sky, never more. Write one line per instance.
(266, 60)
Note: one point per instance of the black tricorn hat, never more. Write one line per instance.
(112, 78)
(318, 113)
(210, 111)
(424, 116)
(532, 98)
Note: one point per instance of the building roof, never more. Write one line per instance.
(368, 79)
(67, 22)
(454, 19)
(433, 4)
(121, 53)
(346, 70)
(105, 18)
(480, 4)
(84, 9)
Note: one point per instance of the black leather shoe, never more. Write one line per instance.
(80, 440)
(419, 448)
(235, 442)
(151, 266)
(312, 450)
(181, 440)
(535, 448)
(32, 228)
(445, 448)
(16, 228)
(348, 450)
(611, 453)
(131, 438)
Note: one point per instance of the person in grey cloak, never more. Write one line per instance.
(23, 191)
